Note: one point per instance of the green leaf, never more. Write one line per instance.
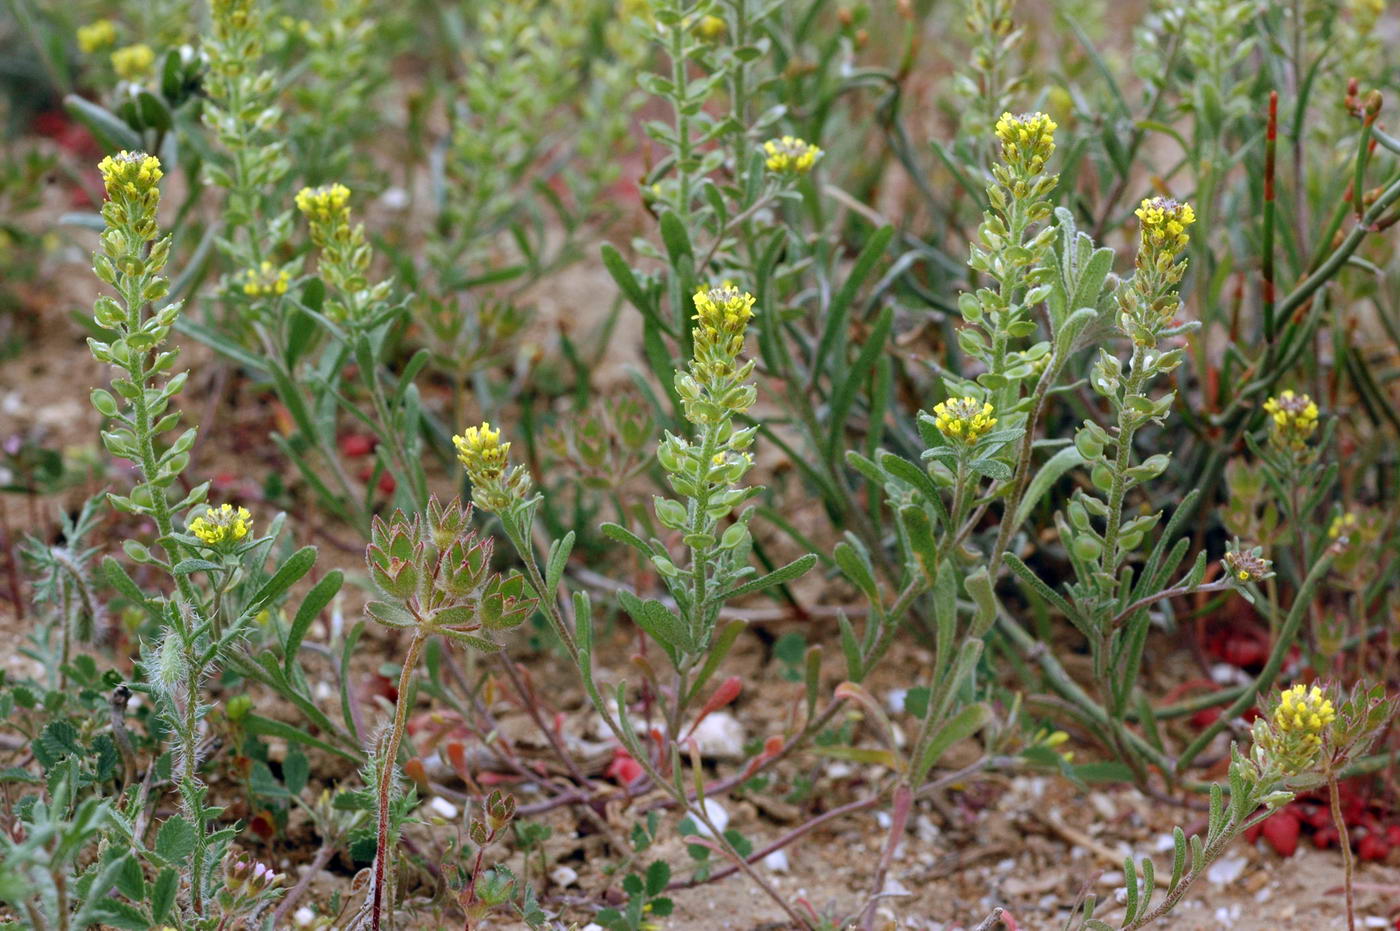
(623, 535)
(163, 893)
(220, 343)
(559, 552)
(186, 566)
(850, 648)
(266, 727)
(111, 132)
(296, 769)
(836, 314)
(845, 393)
(720, 646)
(118, 578)
(1050, 473)
(296, 566)
(992, 468)
(312, 605)
(661, 623)
(658, 876)
(175, 840)
(792, 570)
(856, 567)
(962, 725)
(676, 238)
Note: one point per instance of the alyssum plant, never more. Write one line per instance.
(180, 872)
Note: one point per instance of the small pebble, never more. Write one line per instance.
(443, 808)
(1225, 871)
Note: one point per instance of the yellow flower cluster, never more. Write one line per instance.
(132, 173)
(1027, 140)
(711, 28)
(133, 62)
(790, 155)
(1164, 223)
(266, 279)
(97, 34)
(326, 203)
(482, 453)
(1305, 713)
(963, 419)
(723, 314)
(1294, 418)
(1343, 526)
(225, 524)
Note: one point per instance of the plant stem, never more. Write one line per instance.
(1334, 794)
(386, 774)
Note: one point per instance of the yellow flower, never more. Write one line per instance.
(224, 524)
(1343, 526)
(723, 314)
(482, 453)
(327, 203)
(963, 419)
(134, 173)
(266, 279)
(710, 28)
(1294, 418)
(1027, 140)
(97, 34)
(1164, 224)
(133, 62)
(790, 155)
(1304, 713)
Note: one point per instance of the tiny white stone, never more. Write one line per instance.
(720, 737)
(394, 198)
(777, 861)
(1225, 871)
(1111, 878)
(882, 818)
(894, 700)
(716, 813)
(563, 875)
(1375, 921)
(1164, 843)
(443, 808)
(303, 916)
(1225, 674)
(1226, 917)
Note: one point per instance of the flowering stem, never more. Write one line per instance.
(1126, 429)
(387, 763)
(1271, 668)
(1334, 794)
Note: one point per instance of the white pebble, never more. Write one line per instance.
(443, 808)
(720, 737)
(563, 875)
(716, 813)
(1225, 871)
(777, 861)
(303, 916)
